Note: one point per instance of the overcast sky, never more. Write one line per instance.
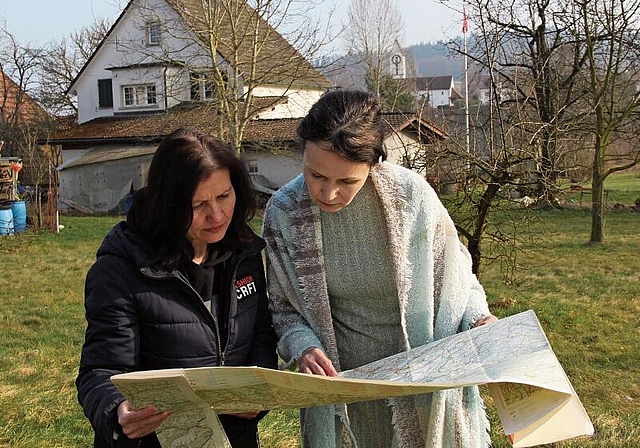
(40, 21)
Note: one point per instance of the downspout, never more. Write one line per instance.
(164, 81)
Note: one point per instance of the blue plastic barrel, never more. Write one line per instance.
(6, 220)
(19, 210)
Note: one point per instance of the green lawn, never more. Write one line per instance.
(621, 188)
(586, 297)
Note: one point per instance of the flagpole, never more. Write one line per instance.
(465, 29)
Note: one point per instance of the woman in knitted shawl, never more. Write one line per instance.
(364, 262)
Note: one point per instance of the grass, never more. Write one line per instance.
(587, 298)
(42, 331)
(621, 188)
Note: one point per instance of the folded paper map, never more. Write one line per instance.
(532, 394)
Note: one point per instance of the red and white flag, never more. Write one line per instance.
(465, 22)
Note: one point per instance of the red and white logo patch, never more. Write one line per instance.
(245, 287)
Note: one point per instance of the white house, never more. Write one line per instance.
(436, 91)
(152, 59)
(482, 90)
(149, 76)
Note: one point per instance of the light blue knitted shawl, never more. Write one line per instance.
(438, 294)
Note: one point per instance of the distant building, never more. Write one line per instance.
(398, 62)
(117, 152)
(436, 91)
(481, 91)
(151, 75)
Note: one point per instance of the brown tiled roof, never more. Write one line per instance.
(154, 127)
(16, 104)
(455, 95)
(278, 61)
(425, 130)
(151, 126)
(264, 103)
(276, 130)
(138, 127)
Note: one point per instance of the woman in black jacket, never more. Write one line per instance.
(179, 284)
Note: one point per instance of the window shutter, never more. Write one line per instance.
(105, 93)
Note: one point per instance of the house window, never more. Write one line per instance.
(252, 166)
(142, 95)
(105, 94)
(153, 33)
(202, 87)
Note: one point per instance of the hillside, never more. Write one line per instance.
(435, 59)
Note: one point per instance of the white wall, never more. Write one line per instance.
(70, 154)
(278, 168)
(440, 98)
(436, 97)
(126, 46)
(101, 186)
(298, 101)
(400, 145)
(282, 167)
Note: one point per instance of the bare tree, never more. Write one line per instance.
(611, 37)
(23, 122)
(61, 62)
(482, 187)
(374, 26)
(535, 68)
(18, 68)
(19, 112)
(40, 161)
(489, 177)
(571, 71)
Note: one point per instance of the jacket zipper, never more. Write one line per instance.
(216, 326)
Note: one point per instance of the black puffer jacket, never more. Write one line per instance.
(139, 318)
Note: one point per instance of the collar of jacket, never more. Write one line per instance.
(124, 243)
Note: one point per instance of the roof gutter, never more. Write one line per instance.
(102, 141)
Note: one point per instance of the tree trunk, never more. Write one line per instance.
(597, 204)
(484, 206)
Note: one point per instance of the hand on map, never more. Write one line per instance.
(138, 423)
(485, 320)
(315, 362)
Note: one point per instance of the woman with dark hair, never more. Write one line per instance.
(364, 262)
(179, 284)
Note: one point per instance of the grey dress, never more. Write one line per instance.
(364, 302)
